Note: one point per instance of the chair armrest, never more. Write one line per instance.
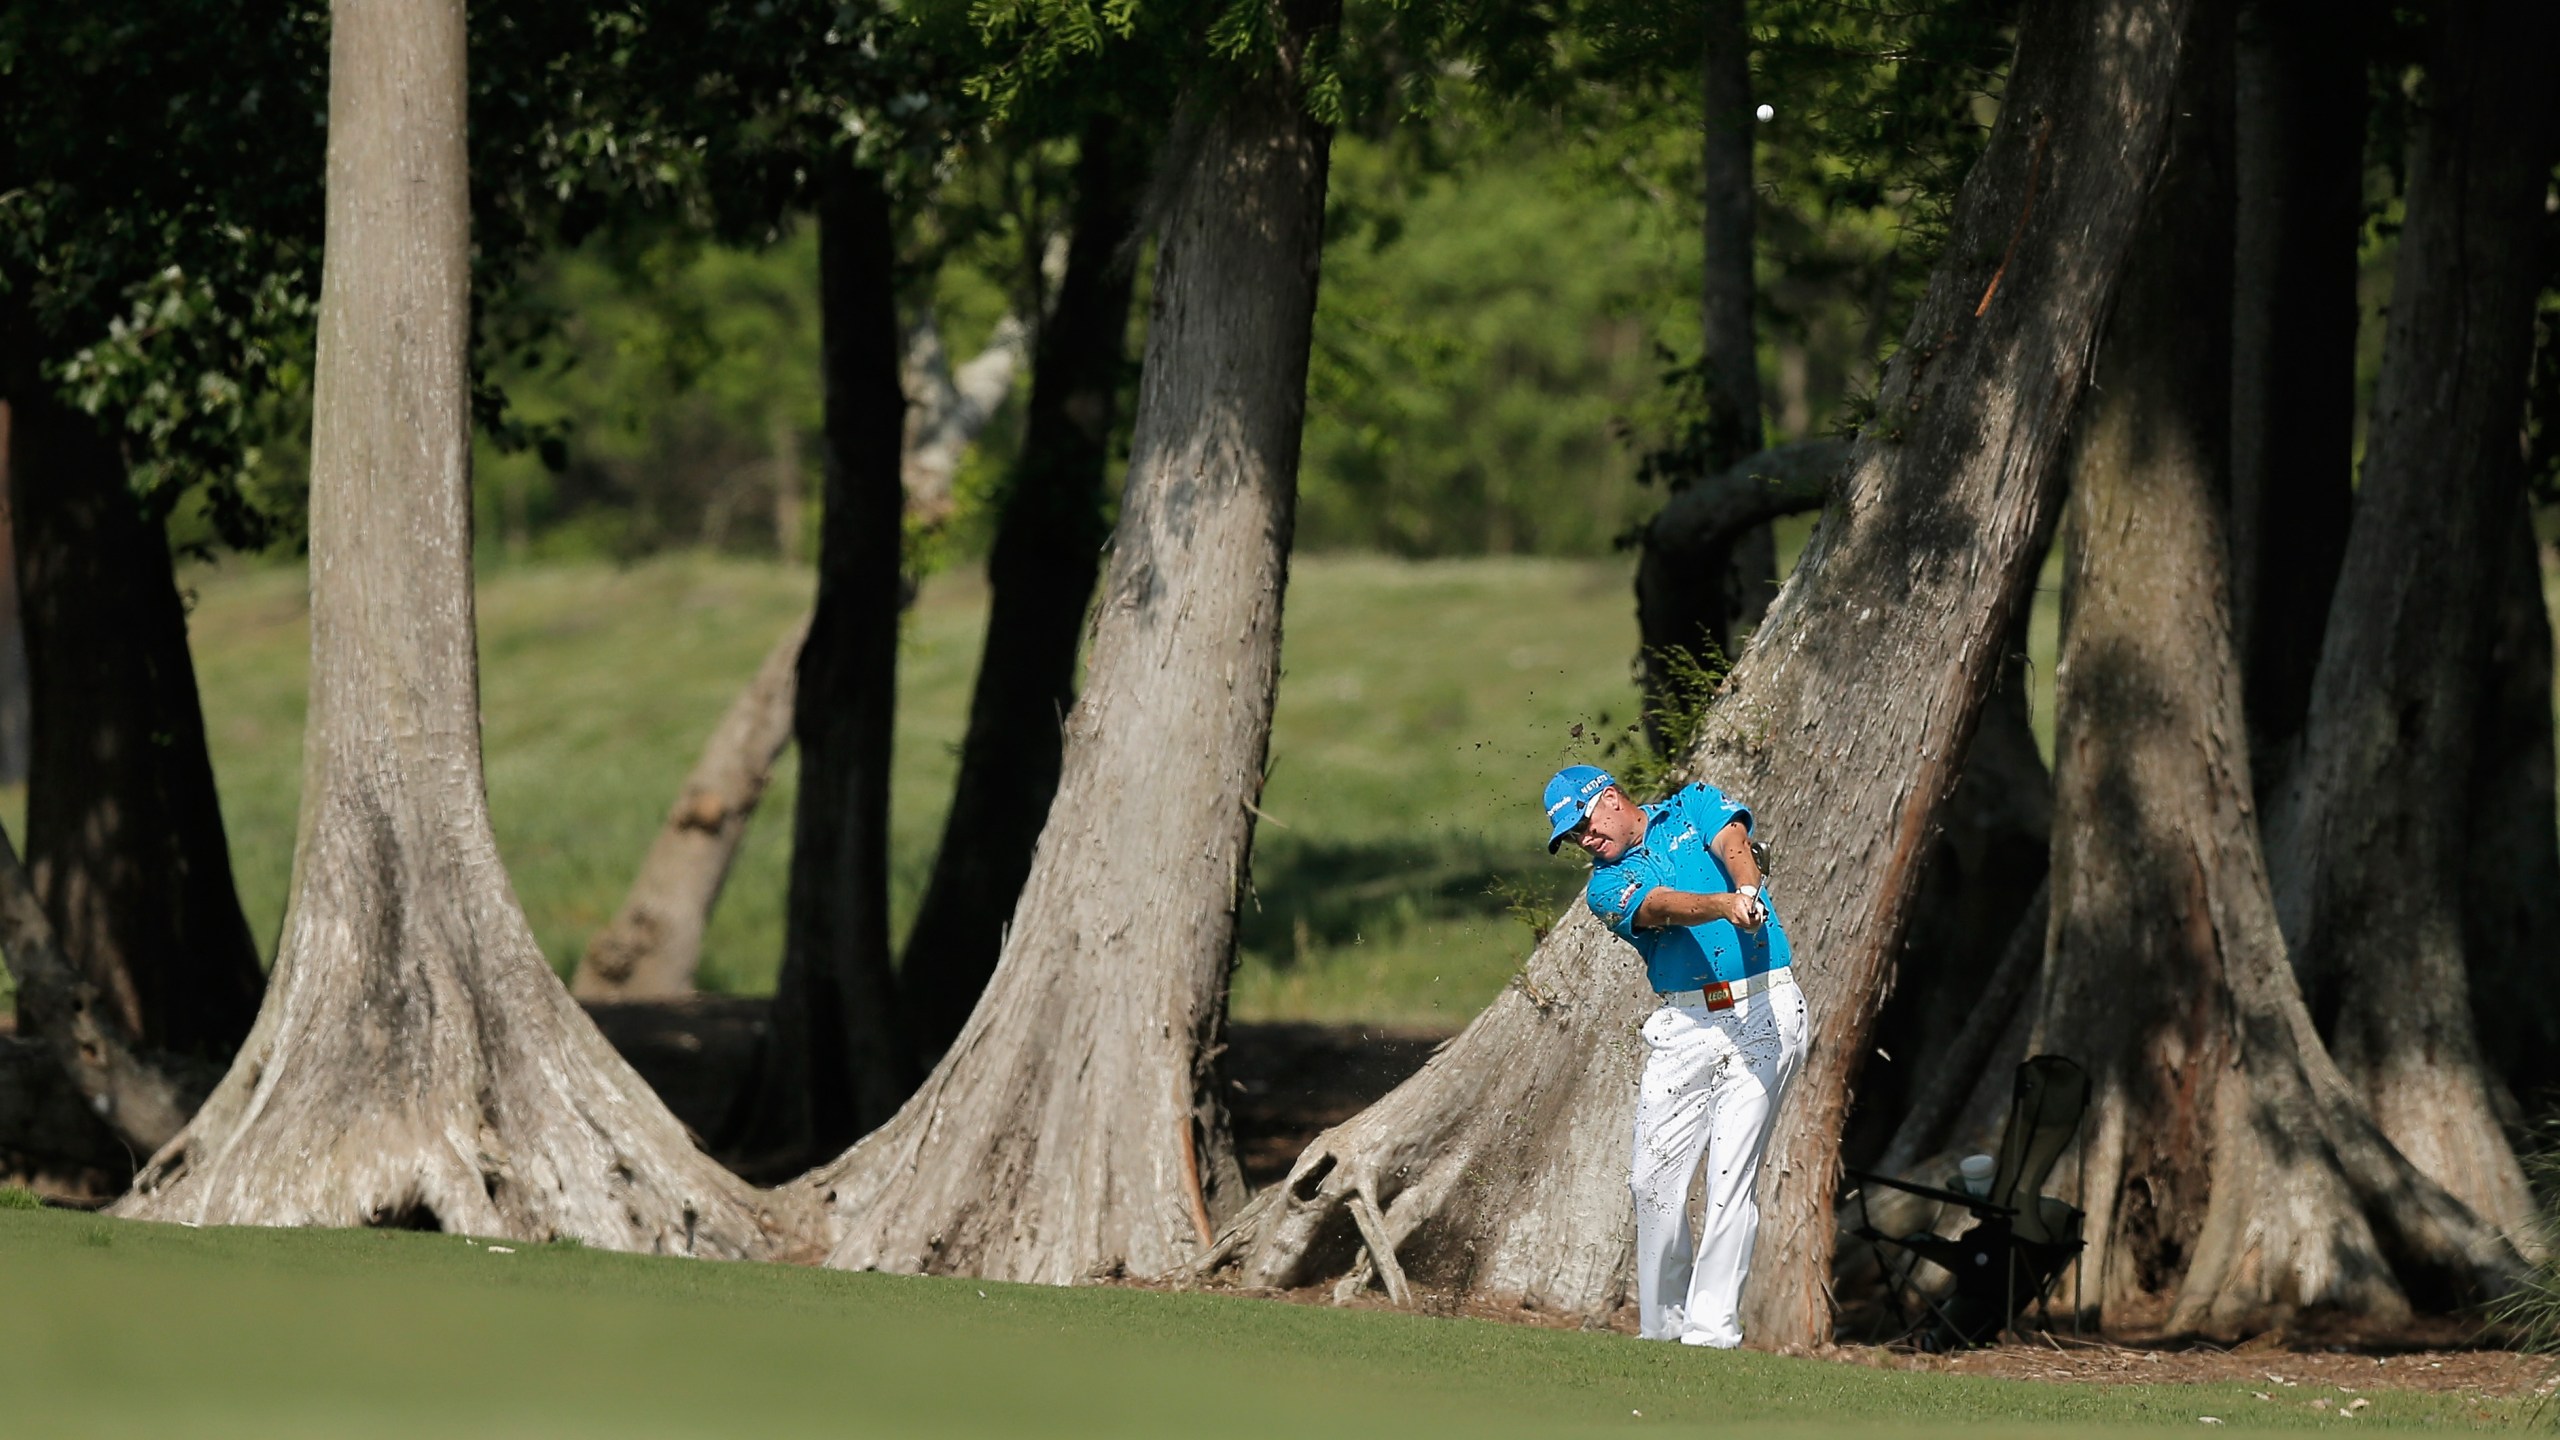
(1974, 1203)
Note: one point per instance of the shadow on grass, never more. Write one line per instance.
(1310, 894)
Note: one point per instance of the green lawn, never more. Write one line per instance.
(1423, 704)
(119, 1329)
(1420, 707)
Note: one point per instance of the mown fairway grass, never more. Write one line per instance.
(121, 1329)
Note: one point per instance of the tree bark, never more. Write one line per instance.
(1500, 1169)
(2511, 887)
(125, 842)
(653, 945)
(2371, 839)
(1683, 604)
(1075, 1128)
(143, 1099)
(836, 1061)
(2230, 1178)
(416, 1063)
(1985, 870)
(14, 713)
(2300, 126)
(948, 408)
(1706, 518)
(1040, 576)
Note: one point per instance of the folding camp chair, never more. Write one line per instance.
(2021, 1240)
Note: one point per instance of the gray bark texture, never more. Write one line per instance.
(2299, 130)
(2370, 840)
(2231, 1179)
(1501, 1169)
(416, 1063)
(1074, 1128)
(1957, 980)
(653, 945)
(947, 408)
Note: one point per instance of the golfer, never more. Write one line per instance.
(1678, 881)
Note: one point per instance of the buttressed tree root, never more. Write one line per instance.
(415, 1062)
(1843, 725)
(1074, 1127)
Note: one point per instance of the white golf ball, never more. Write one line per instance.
(1768, 112)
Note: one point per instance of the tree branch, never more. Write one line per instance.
(1781, 480)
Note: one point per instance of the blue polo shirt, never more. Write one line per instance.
(1674, 855)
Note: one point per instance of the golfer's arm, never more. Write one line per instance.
(1733, 846)
(1665, 908)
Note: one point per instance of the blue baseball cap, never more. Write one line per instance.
(1569, 798)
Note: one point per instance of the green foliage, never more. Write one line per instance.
(1879, 112)
(1487, 317)
(19, 1197)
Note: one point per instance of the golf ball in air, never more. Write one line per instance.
(1768, 112)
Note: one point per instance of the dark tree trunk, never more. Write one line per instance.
(2371, 839)
(416, 1063)
(2232, 1181)
(1075, 1128)
(124, 831)
(2511, 887)
(1684, 602)
(141, 1098)
(2300, 123)
(1985, 869)
(1501, 1169)
(1040, 575)
(837, 1062)
(13, 643)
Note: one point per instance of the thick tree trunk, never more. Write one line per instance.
(2511, 887)
(2300, 175)
(1684, 603)
(2230, 1177)
(653, 945)
(1501, 1168)
(142, 1098)
(416, 1063)
(124, 831)
(1075, 1127)
(1985, 870)
(14, 712)
(836, 1061)
(1040, 576)
(2371, 840)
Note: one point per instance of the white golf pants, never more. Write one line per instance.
(1712, 1079)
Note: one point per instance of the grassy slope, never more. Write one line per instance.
(1422, 706)
(150, 1330)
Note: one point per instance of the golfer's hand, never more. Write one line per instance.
(1751, 912)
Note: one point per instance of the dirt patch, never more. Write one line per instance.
(2315, 1379)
